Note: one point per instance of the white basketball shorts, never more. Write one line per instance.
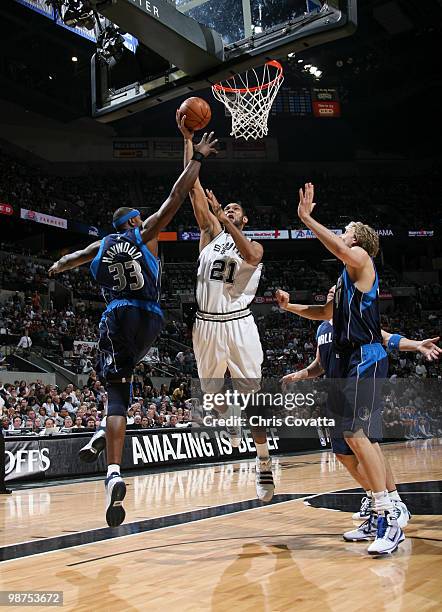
(227, 344)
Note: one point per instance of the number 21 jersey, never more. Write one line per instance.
(225, 282)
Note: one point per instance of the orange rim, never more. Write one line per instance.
(273, 63)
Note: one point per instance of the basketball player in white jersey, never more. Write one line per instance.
(225, 335)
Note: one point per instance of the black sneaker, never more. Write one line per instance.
(115, 494)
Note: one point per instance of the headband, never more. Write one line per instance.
(126, 217)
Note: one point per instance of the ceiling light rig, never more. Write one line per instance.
(75, 12)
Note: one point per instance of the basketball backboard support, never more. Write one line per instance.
(205, 41)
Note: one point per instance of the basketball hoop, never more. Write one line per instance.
(249, 99)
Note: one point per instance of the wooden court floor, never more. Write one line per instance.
(196, 540)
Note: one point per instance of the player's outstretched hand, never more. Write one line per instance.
(294, 376)
(306, 204)
(283, 298)
(207, 145)
(55, 269)
(216, 207)
(181, 123)
(429, 349)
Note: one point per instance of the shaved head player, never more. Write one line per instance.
(225, 335)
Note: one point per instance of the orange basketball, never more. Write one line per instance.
(197, 111)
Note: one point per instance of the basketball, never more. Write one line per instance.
(197, 111)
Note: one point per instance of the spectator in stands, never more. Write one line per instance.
(67, 345)
(173, 420)
(49, 425)
(91, 423)
(25, 341)
(16, 424)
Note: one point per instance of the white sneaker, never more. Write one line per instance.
(365, 531)
(265, 486)
(115, 494)
(401, 513)
(388, 536)
(364, 511)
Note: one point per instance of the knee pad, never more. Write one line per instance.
(118, 394)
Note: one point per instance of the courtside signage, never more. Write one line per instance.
(6, 209)
(306, 234)
(38, 217)
(275, 234)
(420, 233)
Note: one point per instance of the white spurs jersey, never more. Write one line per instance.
(225, 283)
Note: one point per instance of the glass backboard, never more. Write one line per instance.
(252, 32)
(236, 20)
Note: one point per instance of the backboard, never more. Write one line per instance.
(204, 41)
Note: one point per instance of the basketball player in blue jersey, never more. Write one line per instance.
(361, 361)
(322, 364)
(126, 267)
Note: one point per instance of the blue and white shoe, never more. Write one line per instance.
(364, 511)
(401, 513)
(388, 536)
(115, 494)
(366, 531)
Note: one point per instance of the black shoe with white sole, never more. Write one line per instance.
(115, 494)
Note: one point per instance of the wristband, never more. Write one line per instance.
(393, 343)
(197, 156)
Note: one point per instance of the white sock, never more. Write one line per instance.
(369, 494)
(262, 450)
(112, 468)
(394, 495)
(382, 502)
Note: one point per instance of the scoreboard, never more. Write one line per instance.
(290, 101)
(307, 102)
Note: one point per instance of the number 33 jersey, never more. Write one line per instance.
(125, 269)
(225, 282)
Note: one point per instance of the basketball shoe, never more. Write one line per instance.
(92, 450)
(265, 486)
(401, 513)
(115, 494)
(366, 531)
(388, 535)
(365, 509)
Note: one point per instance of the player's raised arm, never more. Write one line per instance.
(314, 313)
(74, 260)
(207, 222)
(159, 220)
(251, 251)
(355, 256)
(428, 348)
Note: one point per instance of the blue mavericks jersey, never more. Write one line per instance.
(324, 338)
(356, 319)
(126, 270)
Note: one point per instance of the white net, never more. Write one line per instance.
(249, 99)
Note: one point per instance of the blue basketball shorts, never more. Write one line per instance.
(355, 394)
(126, 335)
